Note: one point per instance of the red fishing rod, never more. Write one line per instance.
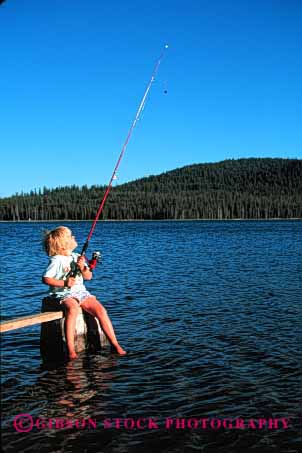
(94, 259)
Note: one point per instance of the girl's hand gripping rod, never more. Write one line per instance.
(136, 118)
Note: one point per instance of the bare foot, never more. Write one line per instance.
(120, 350)
(73, 356)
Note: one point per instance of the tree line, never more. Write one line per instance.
(259, 188)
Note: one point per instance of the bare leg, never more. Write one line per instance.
(72, 310)
(92, 306)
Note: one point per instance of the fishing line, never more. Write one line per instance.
(114, 175)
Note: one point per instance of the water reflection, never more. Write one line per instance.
(77, 389)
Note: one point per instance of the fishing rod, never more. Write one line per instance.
(96, 255)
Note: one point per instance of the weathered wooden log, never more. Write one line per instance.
(88, 333)
(29, 320)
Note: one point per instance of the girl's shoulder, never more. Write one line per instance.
(58, 258)
(54, 258)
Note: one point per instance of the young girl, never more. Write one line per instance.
(59, 245)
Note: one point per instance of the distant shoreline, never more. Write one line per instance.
(147, 220)
(255, 188)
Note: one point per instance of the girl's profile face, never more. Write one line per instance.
(70, 241)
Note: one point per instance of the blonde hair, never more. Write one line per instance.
(56, 240)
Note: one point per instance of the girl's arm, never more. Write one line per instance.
(86, 272)
(59, 283)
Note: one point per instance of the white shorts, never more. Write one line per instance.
(79, 296)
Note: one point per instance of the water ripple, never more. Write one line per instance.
(210, 314)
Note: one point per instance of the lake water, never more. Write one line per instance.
(210, 313)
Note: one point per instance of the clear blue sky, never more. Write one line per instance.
(73, 72)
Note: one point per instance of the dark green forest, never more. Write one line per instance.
(258, 188)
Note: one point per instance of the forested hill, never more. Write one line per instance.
(232, 189)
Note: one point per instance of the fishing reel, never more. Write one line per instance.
(96, 258)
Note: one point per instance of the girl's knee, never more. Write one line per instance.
(71, 305)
